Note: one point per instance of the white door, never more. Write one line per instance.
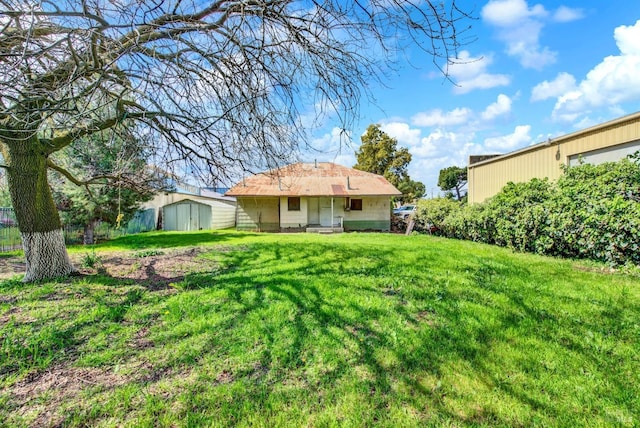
(326, 215)
(314, 211)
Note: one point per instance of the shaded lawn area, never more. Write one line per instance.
(308, 330)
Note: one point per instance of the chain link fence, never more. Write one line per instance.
(9, 233)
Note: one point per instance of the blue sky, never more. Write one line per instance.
(537, 70)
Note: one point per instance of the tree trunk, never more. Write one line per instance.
(36, 213)
(89, 232)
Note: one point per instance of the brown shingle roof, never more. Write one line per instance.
(311, 179)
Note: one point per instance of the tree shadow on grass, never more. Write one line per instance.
(315, 334)
(326, 341)
(172, 240)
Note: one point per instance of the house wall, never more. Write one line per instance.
(375, 214)
(223, 213)
(293, 219)
(274, 214)
(488, 178)
(258, 214)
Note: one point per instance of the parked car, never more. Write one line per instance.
(7, 222)
(404, 211)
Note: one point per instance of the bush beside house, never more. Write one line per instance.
(592, 211)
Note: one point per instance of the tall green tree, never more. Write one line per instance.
(218, 85)
(103, 177)
(379, 154)
(452, 180)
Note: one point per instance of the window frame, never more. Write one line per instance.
(295, 206)
(355, 204)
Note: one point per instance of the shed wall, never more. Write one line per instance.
(223, 213)
(488, 178)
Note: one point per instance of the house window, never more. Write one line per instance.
(356, 205)
(294, 204)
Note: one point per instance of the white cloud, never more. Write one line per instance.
(334, 146)
(567, 14)
(628, 39)
(402, 132)
(615, 80)
(482, 81)
(501, 107)
(519, 26)
(505, 13)
(437, 117)
(433, 144)
(519, 138)
(563, 83)
(470, 73)
(440, 149)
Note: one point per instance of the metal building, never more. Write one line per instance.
(609, 141)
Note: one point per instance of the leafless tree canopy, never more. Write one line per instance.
(221, 83)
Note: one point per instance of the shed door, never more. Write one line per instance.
(204, 216)
(183, 218)
(170, 217)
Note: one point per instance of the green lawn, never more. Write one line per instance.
(337, 330)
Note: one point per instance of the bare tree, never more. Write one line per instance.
(220, 85)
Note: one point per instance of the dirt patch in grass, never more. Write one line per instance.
(140, 340)
(11, 266)
(41, 397)
(155, 270)
(598, 269)
(44, 392)
(11, 313)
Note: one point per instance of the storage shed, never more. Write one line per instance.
(186, 215)
(199, 210)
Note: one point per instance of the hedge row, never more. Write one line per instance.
(590, 212)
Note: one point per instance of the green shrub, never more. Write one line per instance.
(431, 213)
(518, 215)
(592, 211)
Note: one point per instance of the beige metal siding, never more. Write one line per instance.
(223, 215)
(487, 178)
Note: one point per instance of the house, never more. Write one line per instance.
(319, 196)
(606, 142)
(191, 208)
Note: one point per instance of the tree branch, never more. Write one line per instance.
(70, 177)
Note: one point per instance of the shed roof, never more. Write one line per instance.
(557, 140)
(314, 179)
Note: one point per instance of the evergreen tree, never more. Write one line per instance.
(102, 177)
